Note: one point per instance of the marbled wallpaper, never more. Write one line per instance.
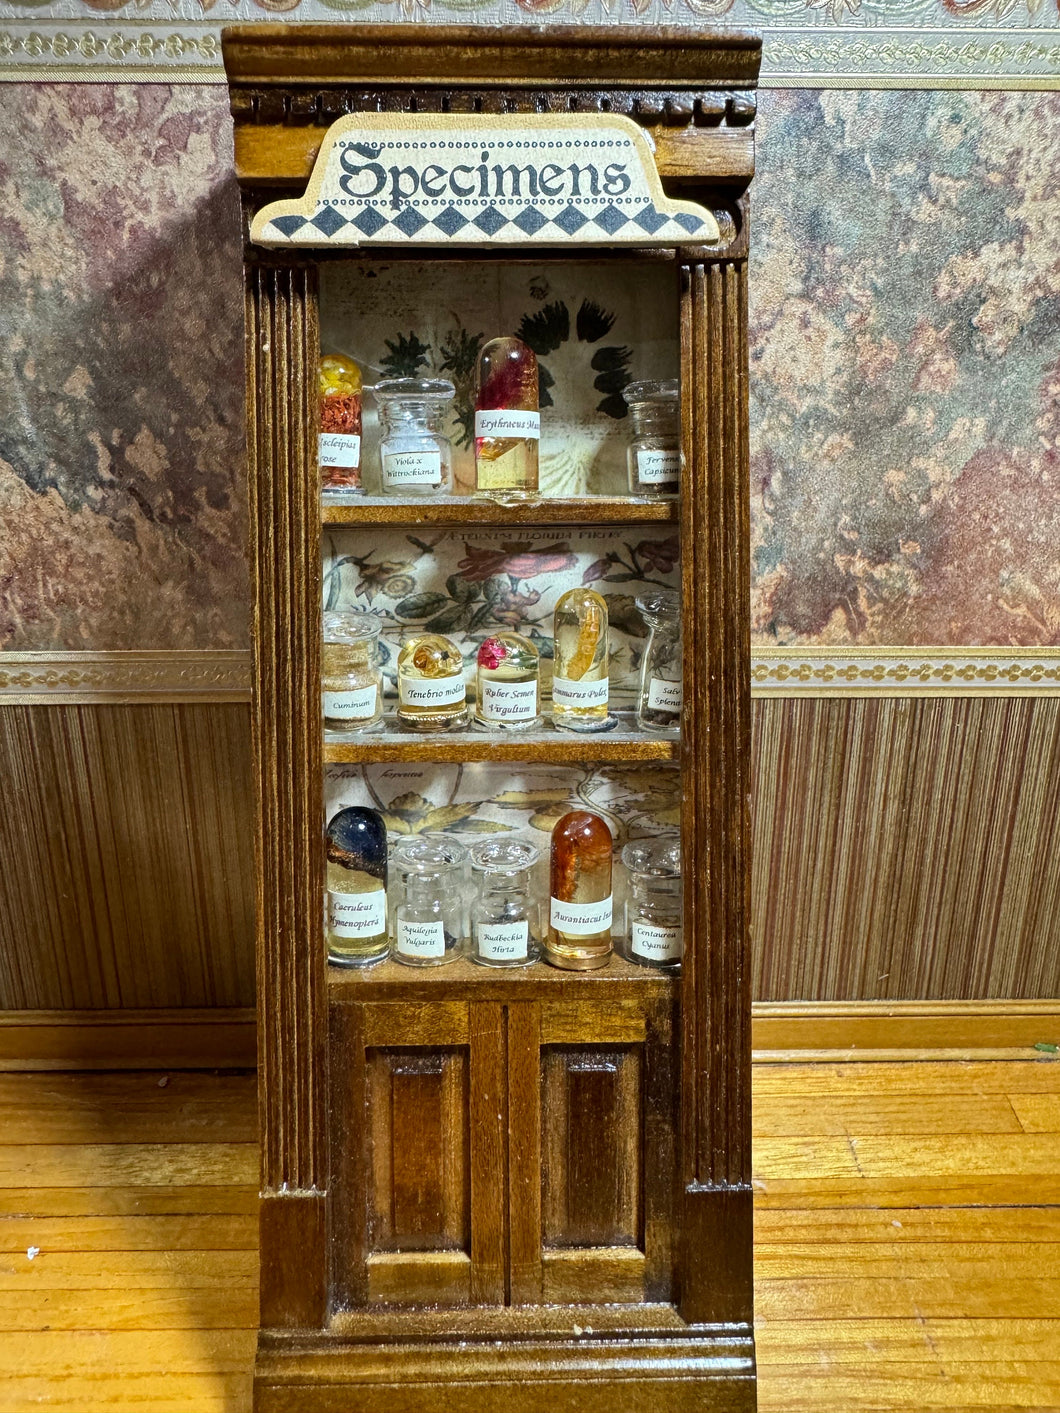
(905, 357)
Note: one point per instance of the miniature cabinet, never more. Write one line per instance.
(485, 1188)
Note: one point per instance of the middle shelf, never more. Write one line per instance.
(545, 744)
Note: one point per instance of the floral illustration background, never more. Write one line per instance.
(593, 330)
(905, 368)
(471, 585)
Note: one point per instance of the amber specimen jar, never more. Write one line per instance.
(507, 419)
(580, 663)
(579, 924)
(357, 876)
(339, 443)
(431, 691)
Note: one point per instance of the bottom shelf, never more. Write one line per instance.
(465, 980)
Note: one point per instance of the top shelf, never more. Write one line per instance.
(476, 510)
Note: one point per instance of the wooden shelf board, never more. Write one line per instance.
(547, 744)
(573, 511)
(464, 980)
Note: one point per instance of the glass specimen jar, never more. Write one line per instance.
(508, 694)
(507, 419)
(503, 915)
(431, 692)
(580, 665)
(429, 913)
(350, 677)
(415, 458)
(355, 847)
(654, 454)
(662, 667)
(654, 911)
(339, 442)
(579, 926)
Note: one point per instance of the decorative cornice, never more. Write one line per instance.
(73, 678)
(905, 672)
(856, 52)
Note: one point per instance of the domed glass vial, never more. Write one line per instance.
(507, 688)
(503, 915)
(662, 666)
(580, 903)
(355, 847)
(654, 453)
(507, 419)
(580, 683)
(429, 913)
(351, 682)
(431, 691)
(654, 910)
(415, 457)
(339, 441)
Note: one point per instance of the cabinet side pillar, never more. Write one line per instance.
(714, 1262)
(282, 343)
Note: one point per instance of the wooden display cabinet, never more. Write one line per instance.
(487, 1189)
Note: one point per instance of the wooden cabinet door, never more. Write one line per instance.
(418, 1154)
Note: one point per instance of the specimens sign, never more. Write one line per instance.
(448, 180)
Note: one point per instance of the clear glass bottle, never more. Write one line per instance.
(507, 419)
(662, 667)
(507, 686)
(503, 915)
(431, 691)
(355, 847)
(351, 682)
(415, 457)
(579, 928)
(429, 912)
(339, 442)
(654, 910)
(580, 664)
(654, 454)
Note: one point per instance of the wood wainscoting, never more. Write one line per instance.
(902, 849)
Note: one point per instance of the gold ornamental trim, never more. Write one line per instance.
(87, 678)
(905, 672)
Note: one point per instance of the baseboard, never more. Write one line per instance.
(781, 1031)
(221, 1038)
(862, 1030)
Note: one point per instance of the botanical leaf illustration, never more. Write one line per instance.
(456, 616)
(527, 799)
(420, 605)
(406, 356)
(548, 819)
(593, 321)
(547, 329)
(448, 817)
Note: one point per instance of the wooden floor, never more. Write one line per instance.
(908, 1238)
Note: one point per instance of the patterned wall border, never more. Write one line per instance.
(127, 49)
(72, 678)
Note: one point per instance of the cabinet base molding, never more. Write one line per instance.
(580, 1368)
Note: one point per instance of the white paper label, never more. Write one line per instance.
(357, 914)
(358, 705)
(664, 695)
(655, 467)
(420, 939)
(514, 423)
(412, 468)
(581, 919)
(508, 701)
(502, 941)
(568, 693)
(655, 944)
(339, 449)
(431, 692)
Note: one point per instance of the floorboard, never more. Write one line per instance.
(907, 1239)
